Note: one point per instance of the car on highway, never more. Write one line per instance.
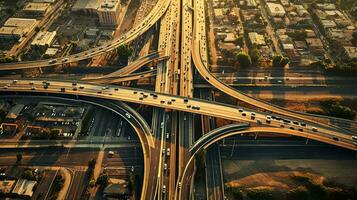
(164, 189)
(354, 137)
(252, 115)
(168, 152)
(165, 166)
(14, 81)
(314, 129)
(196, 107)
(240, 110)
(268, 119)
(53, 61)
(259, 121)
(127, 115)
(111, 153)
(63, 89)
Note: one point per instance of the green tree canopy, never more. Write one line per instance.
(243, 59)
(124, 51)
(280, 61)
(255, 55)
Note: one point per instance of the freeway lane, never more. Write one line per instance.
(157, 56)
(145, 25)
(330, 135)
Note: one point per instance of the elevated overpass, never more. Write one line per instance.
(331, 135)
(127, 70)
(159, 9)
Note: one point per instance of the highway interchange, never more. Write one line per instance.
(182, 44)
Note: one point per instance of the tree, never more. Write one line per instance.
(255, 55)
(284, 61)
(27, 174)
(103, 180)
(92, 183)
(243, 59)
(124, 51)
(6, 60)
(18, 157)
(91, 163)
(240, 41)
(280, 61)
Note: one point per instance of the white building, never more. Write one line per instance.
(276, 10)
(108, 13)
(256, 39)
(44, 39)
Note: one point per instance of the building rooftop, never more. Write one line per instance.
(44, 38)
(36, 7)
(256, 38)
(24, 187)
(20, 22)
(314, 42)
(86, 4)
(12, 31)
(276, 9)
(51, 51)
(15, 111)
(109, 5)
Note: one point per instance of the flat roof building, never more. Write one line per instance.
(36, 9)
(15, 28)
(15, 111)
(88, 6)
(108, 13)
(256, 39)
(24, 187)
(44, 39)
(276, 10)
(13, 33)
(21, 22)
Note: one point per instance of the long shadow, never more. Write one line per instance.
(277, 95)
